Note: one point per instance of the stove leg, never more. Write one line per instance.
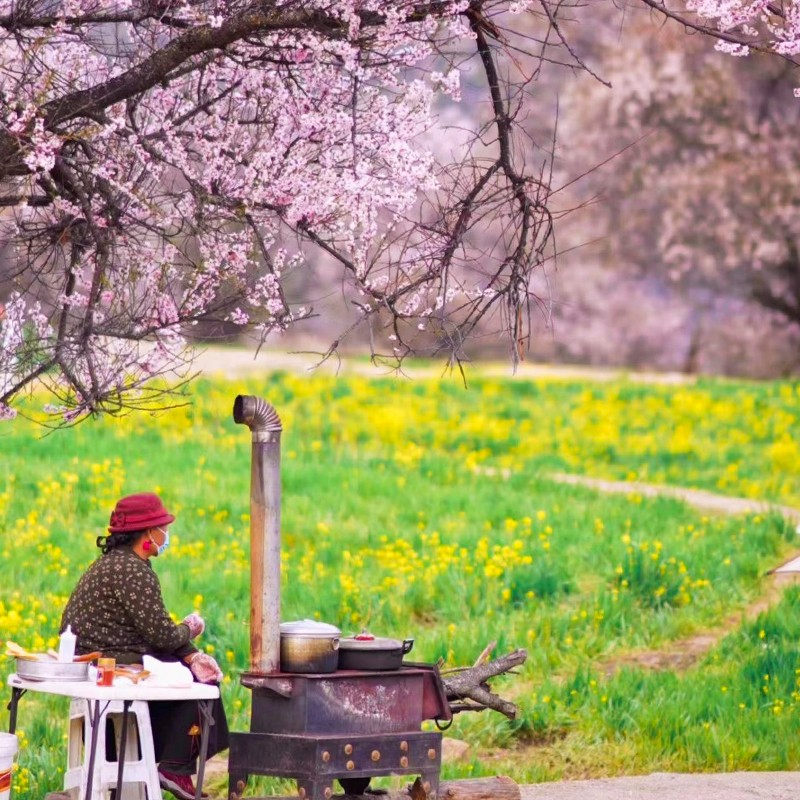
(430, 782)
(237, 781)
(314, 790)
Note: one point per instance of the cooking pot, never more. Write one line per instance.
(368, 652)
(309, 646)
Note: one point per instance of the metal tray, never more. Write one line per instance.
(52, 670)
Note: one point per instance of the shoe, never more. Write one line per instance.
(181, 786)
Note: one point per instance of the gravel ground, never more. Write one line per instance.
(658, 786)
(671, 786)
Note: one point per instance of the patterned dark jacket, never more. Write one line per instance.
(117, 609)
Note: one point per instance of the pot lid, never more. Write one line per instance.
(309, 627)
(366, 641)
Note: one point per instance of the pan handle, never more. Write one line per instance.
(407, 645)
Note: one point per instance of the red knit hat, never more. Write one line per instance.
(137, 512)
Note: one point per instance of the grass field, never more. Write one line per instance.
(391, 518)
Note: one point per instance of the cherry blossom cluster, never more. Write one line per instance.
(190, 198)
(753, 23)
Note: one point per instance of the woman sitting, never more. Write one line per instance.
(117, 609)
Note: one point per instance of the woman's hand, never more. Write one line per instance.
(195, 623)
(205, 668)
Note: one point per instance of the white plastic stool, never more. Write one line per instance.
(140, 778)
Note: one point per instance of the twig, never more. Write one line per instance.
(487, 651)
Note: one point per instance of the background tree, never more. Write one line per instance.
(691, 264)
(711, 192)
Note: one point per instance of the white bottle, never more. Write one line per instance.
(66, 645)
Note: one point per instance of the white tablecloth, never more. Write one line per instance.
(141, 691)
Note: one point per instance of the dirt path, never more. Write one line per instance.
(705, 501)
(672, 786)
(235, 362)
(682, 654)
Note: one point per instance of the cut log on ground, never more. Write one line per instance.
(472, 685)
(498, 787)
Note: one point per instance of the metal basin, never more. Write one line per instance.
(52, 670)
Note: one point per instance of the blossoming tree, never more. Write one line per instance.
(707, 197)
(165, 162)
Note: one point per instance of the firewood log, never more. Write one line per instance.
(472, 684)
(498, 787)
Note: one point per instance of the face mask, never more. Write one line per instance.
(160, 548)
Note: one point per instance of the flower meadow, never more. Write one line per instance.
(423, 508)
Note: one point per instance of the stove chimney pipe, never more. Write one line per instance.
(265, 531)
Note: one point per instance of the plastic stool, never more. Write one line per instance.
(140, 779)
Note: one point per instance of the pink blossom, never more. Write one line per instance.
(239, 317)
(292, 146)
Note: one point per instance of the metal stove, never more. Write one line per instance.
(349, 726)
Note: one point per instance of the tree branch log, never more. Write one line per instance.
(498, 787)
(472, 684)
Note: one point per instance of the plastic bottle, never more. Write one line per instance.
(66, 645)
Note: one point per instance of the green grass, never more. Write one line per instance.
(387, 521)
(737, 710)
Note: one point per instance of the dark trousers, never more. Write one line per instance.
(176, 734)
